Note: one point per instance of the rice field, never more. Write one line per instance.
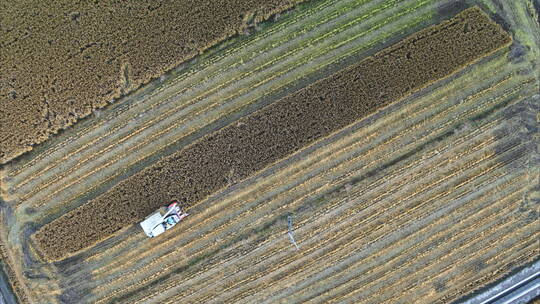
(425, 201)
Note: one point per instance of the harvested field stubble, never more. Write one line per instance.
(280, 129)
(59, 61)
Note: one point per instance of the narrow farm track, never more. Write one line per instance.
(427, 200)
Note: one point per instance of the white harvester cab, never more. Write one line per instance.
(163, 219)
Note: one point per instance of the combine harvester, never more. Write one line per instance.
(163, 219)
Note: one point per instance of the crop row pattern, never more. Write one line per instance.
(280, 129)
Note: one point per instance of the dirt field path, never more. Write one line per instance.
(427, 200)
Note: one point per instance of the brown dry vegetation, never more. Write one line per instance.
(280, 129)
(12, 275)
(61, 60)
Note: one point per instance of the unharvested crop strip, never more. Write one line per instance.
(280, 128)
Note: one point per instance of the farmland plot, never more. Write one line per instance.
(425, 200)
(62, 60)
(279, 129)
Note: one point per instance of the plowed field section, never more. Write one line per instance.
(280, 129)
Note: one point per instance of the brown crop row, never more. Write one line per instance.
(10, 273)
(258, 140)
(61, 60)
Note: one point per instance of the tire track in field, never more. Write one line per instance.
(479, 255)
(368, 279)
